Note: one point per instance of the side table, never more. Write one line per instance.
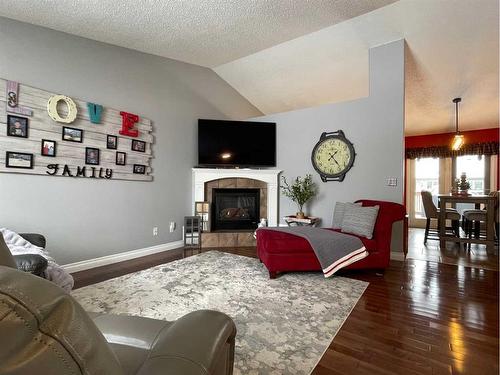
(293, 221)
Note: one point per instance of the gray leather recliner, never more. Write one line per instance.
(34, 263)
(45, 331)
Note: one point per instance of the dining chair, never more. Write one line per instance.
(474, 218)
(432, 212)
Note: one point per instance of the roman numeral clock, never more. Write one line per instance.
(333, 156)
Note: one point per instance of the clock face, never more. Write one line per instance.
(333, 156)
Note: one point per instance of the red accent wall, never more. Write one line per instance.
(444, 139)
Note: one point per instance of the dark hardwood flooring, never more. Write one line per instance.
(420, 317)
(475, 256)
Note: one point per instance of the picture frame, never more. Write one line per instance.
(17, 126)
(111, 142)
(92, 156)
(139, 169)
(72, 134)
(121, 158)
(139, 146)
(48, 148)
(20, 160)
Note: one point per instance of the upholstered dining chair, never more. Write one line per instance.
(473, 218)
(432, 212)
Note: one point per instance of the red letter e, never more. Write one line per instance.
(128, 121)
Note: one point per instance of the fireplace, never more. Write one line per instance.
(235, 209)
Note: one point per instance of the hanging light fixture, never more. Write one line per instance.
(458, 139)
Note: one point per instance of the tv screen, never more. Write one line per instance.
(236, 143)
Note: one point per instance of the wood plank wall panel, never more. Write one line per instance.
(41, 126)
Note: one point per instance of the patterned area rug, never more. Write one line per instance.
(284, 325)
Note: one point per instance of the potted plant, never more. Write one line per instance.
(464, 185)
(300, 191)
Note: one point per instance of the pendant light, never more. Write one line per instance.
(458, 139)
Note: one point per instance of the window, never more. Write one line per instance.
(474, 167)
(437, 174)
(426, 178)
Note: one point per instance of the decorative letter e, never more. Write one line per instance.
(128, 121)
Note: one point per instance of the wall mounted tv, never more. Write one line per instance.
(236, 143)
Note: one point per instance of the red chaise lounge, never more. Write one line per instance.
(282, 252)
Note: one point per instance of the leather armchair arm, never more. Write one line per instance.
(33, 263)
(199, 343)
(35, 238)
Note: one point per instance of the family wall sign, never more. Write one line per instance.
(56, 135)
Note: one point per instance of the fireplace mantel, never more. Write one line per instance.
(269, 176)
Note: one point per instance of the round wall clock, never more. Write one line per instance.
(333, 156)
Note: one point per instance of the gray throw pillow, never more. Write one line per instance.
(360, 220)
(338, 213)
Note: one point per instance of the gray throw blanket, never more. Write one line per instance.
(334, 250)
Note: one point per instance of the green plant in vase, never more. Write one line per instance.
(300, 191)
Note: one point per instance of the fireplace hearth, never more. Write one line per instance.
(235, 209)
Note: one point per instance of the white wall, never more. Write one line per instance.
(374, 124)
(84, 218)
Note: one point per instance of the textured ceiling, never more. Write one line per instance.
(452, 51)
(202, 32)
(286, 55)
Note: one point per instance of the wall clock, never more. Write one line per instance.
(333, 156)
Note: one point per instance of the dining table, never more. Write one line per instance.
(477, 200)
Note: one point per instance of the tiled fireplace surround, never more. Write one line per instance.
(266, 180)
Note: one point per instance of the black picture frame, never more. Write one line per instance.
(118, 160)
(9, 155)
(139, 169)
(111, 142)
(20, 131)
(66, 136)
(48, 142)
(139, 146)
(92, 159)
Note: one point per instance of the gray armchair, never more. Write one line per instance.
(45, 331)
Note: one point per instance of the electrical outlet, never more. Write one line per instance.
(172, 226)
(155, 231)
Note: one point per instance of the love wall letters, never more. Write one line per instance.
(56, 135)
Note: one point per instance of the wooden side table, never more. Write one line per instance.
(294, 221)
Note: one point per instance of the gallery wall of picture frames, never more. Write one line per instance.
(55, 135)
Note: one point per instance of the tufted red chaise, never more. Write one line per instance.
(281, 252)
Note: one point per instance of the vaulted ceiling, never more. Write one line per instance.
(452, 50)
(285, 55)
(202, 32)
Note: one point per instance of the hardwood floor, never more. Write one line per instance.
(476, 256)
(420, 317)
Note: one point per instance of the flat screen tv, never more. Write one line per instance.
(236, 143)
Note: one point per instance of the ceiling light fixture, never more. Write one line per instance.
(458, 139)
(226, 155)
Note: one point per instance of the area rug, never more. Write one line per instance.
(284, 325)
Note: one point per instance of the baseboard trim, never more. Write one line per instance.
(397, 255)
(120, 257)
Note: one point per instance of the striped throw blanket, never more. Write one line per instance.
(334, 250)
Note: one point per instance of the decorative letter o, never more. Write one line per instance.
(52, 109)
